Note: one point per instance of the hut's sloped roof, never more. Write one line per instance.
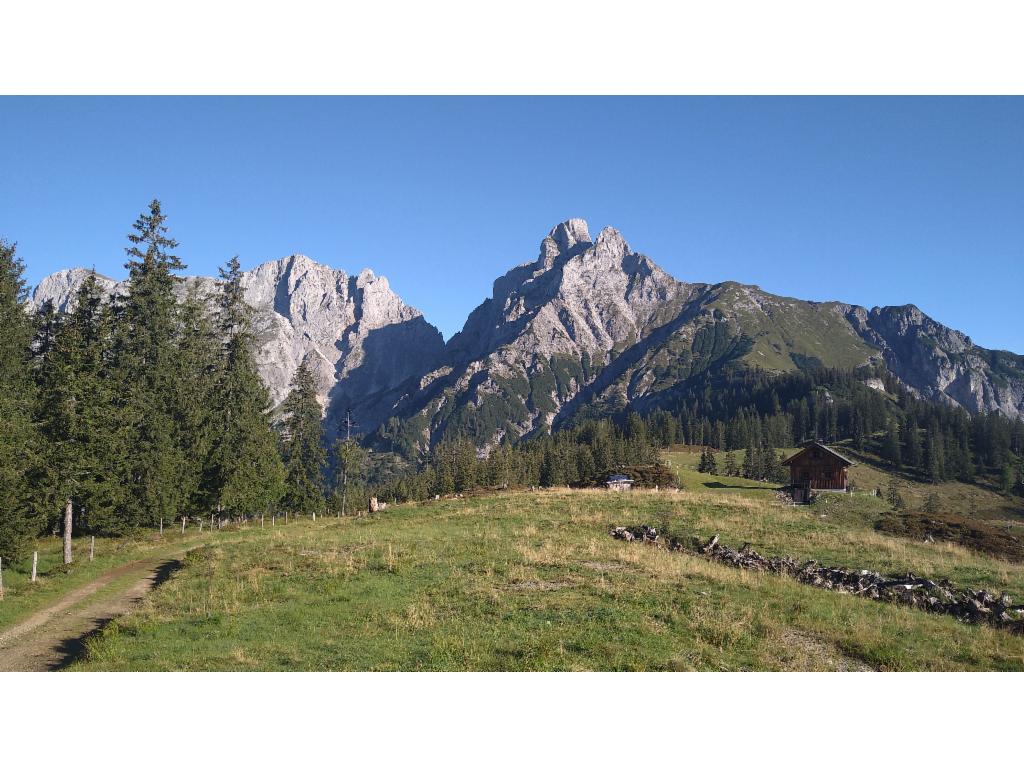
(620, 479)
(814, 443)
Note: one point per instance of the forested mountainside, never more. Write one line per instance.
(591, 327)
(588, 328)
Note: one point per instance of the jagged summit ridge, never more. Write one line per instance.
(577, 295)
(592, 325)
(588, 326)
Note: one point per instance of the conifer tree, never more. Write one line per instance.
(773, 469)
(1006, 479)
(893, 495)
(303, 436)
(551, 472)
(702, 462)
(911, 452)
(707, 462)
(145, 363)
(586, 467)
(730, 465)
(196, 404)
(465, 465)
(933, 458)
(749, 462)
(75, 413)
(248, 476)
(18, 438)
(891, 451)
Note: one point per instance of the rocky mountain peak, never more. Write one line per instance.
(360, 339)
(570, 233)
(589, 325)
(60, 287)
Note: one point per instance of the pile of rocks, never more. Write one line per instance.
(968, 605)
(643, 533)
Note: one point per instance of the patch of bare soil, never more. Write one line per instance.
(816, 653)
(53, 637)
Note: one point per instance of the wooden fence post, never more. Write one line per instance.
(261, 521)
(182, 525)
(161, 526)
(35, 563)
(1, 578)
(92, 548)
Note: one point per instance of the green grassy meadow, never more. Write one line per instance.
(532, 581)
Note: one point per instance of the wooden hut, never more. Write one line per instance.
(816, 467)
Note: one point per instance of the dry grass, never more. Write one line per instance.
(533, 581)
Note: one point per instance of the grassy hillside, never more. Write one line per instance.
(523, 581)
(985, 515)
(790, 332)
(684, 462)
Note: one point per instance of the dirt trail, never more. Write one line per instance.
(53, 637)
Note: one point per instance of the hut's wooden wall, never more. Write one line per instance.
(820, 469)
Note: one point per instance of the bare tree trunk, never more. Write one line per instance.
(67, 532)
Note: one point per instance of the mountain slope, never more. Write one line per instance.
(588, 327)
(592, 325)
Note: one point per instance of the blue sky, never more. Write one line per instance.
(870, 201)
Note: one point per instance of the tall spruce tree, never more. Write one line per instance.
(75, 413)
(749, 462)
(19, 521)
(197, 386)
(303, 445)
(146, 366)
(730, 469)
(245, 464)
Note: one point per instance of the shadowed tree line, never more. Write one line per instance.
(583, 455)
